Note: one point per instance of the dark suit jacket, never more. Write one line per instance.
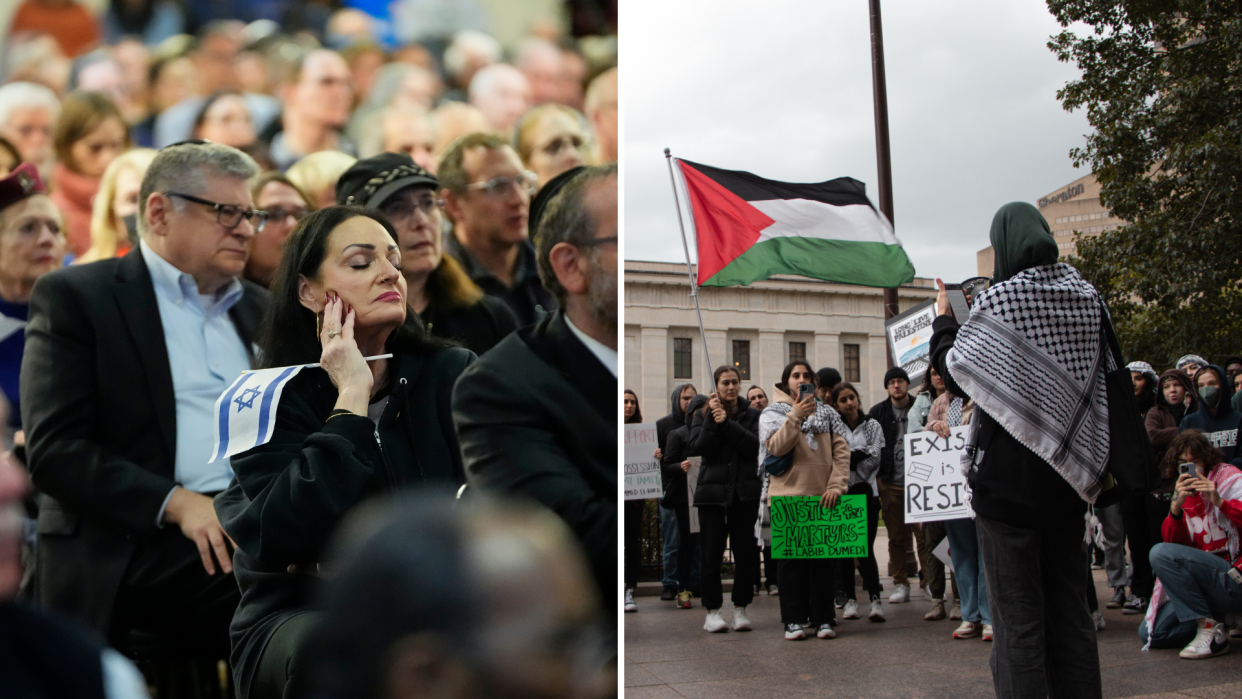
(100, 418)
(537, 416)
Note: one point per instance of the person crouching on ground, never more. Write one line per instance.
(811, 433)
(1198, 580)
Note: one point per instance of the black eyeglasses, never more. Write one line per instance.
(280, 213)
(228, 215)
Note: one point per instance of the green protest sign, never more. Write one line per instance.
(803, 529)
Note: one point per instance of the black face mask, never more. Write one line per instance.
(131, 227)
(1210, 396)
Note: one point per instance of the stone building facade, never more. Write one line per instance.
(758, 329)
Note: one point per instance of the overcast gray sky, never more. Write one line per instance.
(783, 90)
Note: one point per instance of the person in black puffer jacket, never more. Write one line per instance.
(726, 434)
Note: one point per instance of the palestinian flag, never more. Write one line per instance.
(748, 229)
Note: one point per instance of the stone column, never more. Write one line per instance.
(720, 352)
(656, 368)
(875, 354)
(772, 359)
(826, 352)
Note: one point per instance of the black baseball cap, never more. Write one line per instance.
(371, 181)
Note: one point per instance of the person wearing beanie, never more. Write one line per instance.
(893, 415)
(440, 292)
(827, 378)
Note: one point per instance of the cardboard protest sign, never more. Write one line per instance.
(909, 338)
(935, 487)
(803, 529)
(642, 471)
(692, 484)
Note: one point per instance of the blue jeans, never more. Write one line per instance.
(1196, 586)
(972, 586)
(668, 528)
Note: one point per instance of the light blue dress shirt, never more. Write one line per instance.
(206, 355)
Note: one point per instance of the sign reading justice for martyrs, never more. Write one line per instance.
(642, 471)
(936, 490)
(803, 529)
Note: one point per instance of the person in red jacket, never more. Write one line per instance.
(1198, 575)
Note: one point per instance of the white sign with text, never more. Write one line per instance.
(936, 490)
(642, 471)
(692, 483)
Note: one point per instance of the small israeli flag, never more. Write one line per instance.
(246, 412)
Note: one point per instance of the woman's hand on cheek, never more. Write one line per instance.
(342, 359)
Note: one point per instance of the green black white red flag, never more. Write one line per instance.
(748, 229)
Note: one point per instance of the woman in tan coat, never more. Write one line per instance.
(820, 467)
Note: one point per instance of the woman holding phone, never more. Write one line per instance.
(725, 434)
(811, 435)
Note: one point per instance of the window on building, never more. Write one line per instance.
(853, 367)
(681, 358)
(797, 352)
(741, 358)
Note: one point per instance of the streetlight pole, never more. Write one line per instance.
(883, 155)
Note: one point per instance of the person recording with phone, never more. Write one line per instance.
(1199, 568)
(803, 452)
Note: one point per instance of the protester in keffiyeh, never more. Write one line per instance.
(1031, 357)
(1198, 569)
(1191, 363)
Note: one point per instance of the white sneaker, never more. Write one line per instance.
(630, 606)
(715, 623)
(877, 610)
(987, 632)
(1209, 642)
(794, 632)
(1098, 617)
(826, 631)
(900, 594)
(740, 621)
(955, 614)
(851, 610)
(968, 629)
(773, 591)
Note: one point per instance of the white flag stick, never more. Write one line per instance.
(365, 359)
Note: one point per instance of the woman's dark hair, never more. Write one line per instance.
(290, 335)
(207, 105)
(637, 417)
(927, 383)
(836, 393)
(1197, 444)
(80, 114)
(784, 384)
(721, 371)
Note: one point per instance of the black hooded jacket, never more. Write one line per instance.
(1163, 420)
(1221, 425)
(730, 450)
(674, 452)
(676, 418)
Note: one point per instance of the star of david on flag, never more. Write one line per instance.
(246, 412)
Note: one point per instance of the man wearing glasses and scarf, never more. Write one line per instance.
(487, 195)
(1031, 357)
(125, 360)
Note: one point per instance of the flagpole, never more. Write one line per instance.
(883, 155)
(694, 287)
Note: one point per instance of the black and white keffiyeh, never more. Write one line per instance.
(1030, 356)
(825, 419)
(954, 418)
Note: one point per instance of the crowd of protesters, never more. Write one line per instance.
(1022, 575)
(193, 190)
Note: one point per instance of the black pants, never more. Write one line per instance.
(282, 671)
(633, 527)
(735, 523)
(1045, 640)
(806, 590)
(1143, 517)
(689, 558)
(166, 591)
(867, 567)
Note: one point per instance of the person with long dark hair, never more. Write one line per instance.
(344, 430)
(725, 434)
(931, 533)
(865, 438)
(633, 514)
(811, 434)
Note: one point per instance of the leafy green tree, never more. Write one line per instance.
(1162, 86)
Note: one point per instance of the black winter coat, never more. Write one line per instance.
(730, 450)
(674, 453)
(882, 413)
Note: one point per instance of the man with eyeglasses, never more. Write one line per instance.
(487, 195)
(537, 415)
(126, 359)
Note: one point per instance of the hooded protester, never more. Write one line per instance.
(1175, 399)
(674, 466)
(633, 514)
(676, 418)
(1216, 418)
(1233, 368)
(1145, 382)
(725, 434)
(1191, 364)
(1031, 484)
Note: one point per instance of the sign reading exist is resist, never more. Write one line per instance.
(803, 529)
(642, 471)
(935, 487)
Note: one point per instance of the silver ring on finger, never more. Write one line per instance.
(332, 334)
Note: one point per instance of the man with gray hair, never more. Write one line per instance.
(537, 414)
(27, 116)
(502, 93)
(125, 360)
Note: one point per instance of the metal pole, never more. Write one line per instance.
(694, 287)
(883, 155)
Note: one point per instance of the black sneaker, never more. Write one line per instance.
(1119, 598)
(840, 602)
(669, 594)
(1135, 605)
(794, 632)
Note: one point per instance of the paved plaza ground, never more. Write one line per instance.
(669, 656)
